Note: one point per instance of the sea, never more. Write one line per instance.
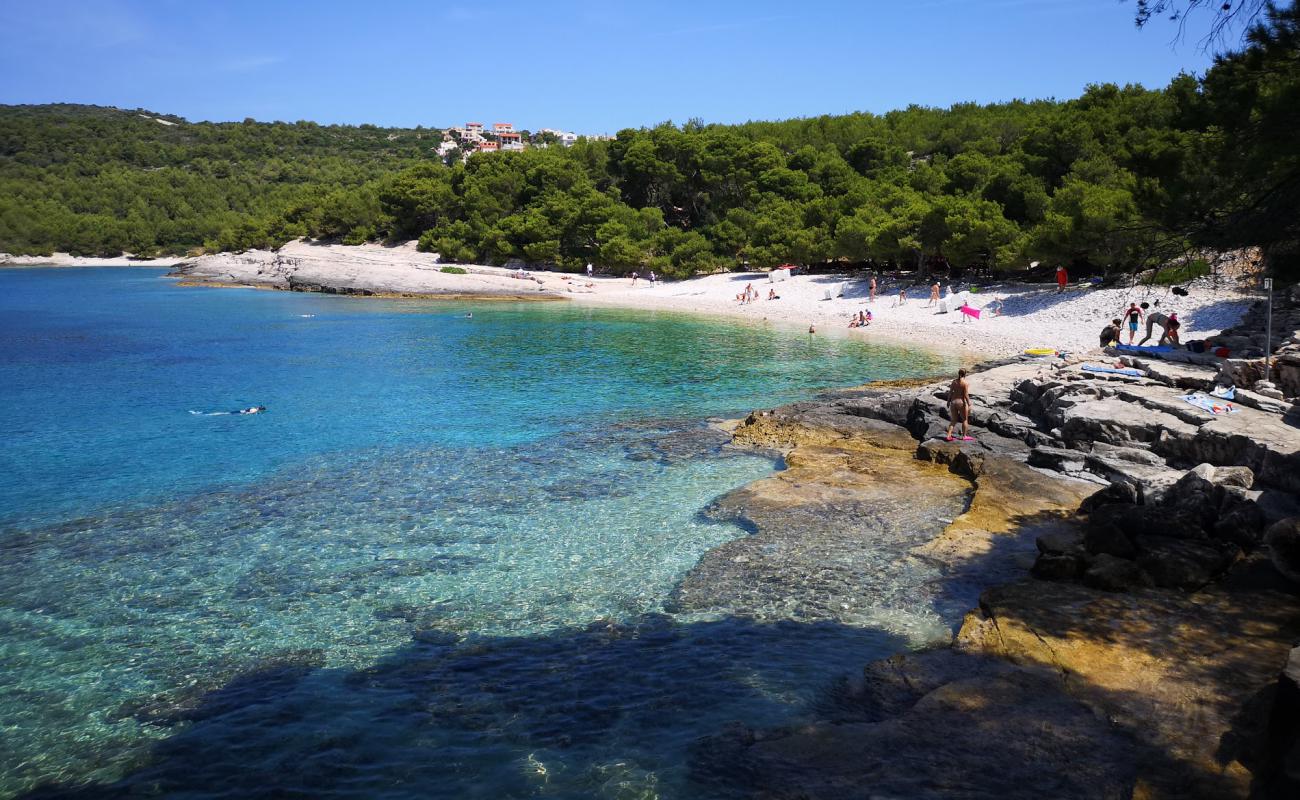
(436, 565)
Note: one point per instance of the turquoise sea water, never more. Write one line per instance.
(435, 567)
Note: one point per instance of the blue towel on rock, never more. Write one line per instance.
(1128, 371)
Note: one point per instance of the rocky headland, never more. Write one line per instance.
(1133, 562)
(368, 270)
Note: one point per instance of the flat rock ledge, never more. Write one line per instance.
(370, 270)
(1134, 566)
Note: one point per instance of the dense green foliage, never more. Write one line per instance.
(1120, 178)
(100, 181)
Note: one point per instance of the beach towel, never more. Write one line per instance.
(970, 312)
(1137, 348)
(1129, 371)
(1208, 403)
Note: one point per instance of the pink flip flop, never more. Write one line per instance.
(968, 438)
(949, 439)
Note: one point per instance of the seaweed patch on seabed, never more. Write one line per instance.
(609, 710)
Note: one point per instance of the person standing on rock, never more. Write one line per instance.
(959, 407)
(1155, 318)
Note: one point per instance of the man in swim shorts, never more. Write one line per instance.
(1132, 315)
(959, 407)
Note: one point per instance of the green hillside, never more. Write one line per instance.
(1118, 178)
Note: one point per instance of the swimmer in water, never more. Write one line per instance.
(469, 315)
(251, 410)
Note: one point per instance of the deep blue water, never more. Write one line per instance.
(435, 567)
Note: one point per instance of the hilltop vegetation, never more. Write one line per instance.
(1118, 178)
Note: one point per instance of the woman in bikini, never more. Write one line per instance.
(959, 407)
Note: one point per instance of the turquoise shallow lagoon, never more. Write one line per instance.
(436, 567)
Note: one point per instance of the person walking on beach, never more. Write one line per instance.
(589, 269)
(934, 295)
(653, 278)
(871, 289)
(959, 407)
(634, 277)
(1062, 278)
(1133, 315)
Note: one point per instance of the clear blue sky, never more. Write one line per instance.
(592, 67)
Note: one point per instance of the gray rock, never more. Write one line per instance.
(1109, 539)
(1181, 563)
(1111, 574)
(1135, 455)
(1060, 542)
(1118, 493)
(1057, 458)
(1057, 567)
(1283, 540)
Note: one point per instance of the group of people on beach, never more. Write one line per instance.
(652, 277)
(750, 295)
(1132, 317)
(861, 319)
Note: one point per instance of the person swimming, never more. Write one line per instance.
(249, 410)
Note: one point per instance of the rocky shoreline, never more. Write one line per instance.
(1136, 561)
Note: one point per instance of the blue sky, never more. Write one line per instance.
(592, 67)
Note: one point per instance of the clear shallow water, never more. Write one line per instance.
(435, 567)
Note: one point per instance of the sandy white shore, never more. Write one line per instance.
(1032, 315)
(66, 260)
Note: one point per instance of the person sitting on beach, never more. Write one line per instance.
(902, 297)
(1110, 333)
(959, 407)
(1132, 315)
(866, 317)
(772, 295)
(994, 308)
